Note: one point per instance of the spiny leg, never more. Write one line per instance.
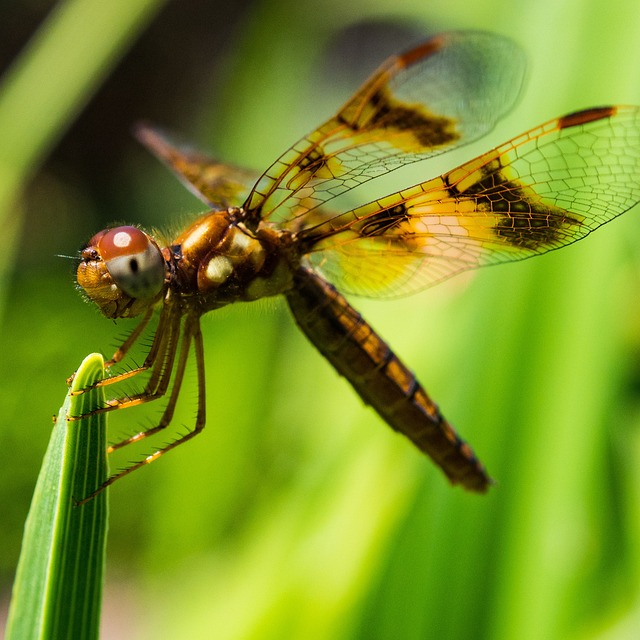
(188, 335)
(191, 332)
(122, 351)
(162, 368)
(166, 340)
(151, 357)
(193, 329)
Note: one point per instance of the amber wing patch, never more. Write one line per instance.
(217, 184)
(542, 190)
(416, 105)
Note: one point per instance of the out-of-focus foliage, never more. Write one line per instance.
(297, 513)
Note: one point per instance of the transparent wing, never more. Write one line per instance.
(217, 184)
(542, 190)
(442, 94)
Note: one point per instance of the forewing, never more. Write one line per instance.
(542, 190)
(217, 184)
(444, 93)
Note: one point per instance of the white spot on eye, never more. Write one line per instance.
(218, 269)
(122, 239)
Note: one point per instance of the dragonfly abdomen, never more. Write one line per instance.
(380, 378)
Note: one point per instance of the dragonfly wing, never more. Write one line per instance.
(540, 191)
(217, 184)
(442, 94)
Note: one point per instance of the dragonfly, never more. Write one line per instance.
(276, 234)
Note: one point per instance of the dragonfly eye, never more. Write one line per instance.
(133, 260)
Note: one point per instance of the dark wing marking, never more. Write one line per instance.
(542, 190)
(445, 93)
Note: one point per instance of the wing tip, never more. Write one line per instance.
(423, 50)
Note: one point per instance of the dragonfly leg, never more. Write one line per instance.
(164, 353)
(122, 351)
(192, 332)
(164, 350)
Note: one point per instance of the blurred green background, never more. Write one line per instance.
(298, 513)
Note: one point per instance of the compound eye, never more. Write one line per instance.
(134, 261)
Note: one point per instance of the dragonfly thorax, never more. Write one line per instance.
(219, 261)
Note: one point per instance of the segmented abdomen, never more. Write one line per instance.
(382, 381)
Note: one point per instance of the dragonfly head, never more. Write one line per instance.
(123, 271)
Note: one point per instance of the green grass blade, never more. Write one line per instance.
(58, 586)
